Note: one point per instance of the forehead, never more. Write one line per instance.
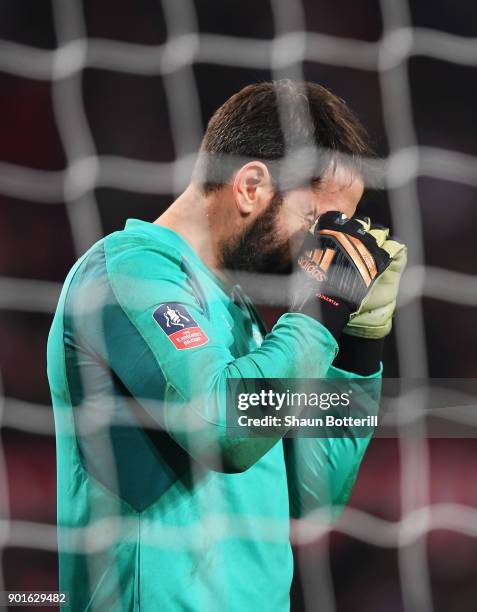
(341, 182)
(339, 190)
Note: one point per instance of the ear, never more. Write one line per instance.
(252, 187)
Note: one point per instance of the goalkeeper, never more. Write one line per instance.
(158, 509)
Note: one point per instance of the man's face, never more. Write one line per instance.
(273, 240)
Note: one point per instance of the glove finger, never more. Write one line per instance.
(333, 223)
(380, 234)
(365, 222)
(394, 248)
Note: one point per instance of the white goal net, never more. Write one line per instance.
(289, 50)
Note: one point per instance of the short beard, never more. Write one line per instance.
(257, 248)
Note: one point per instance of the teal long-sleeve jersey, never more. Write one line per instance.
(158, 509)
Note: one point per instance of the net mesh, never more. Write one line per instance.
(86, 170)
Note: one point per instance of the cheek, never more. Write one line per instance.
(291, 225)
(291, 232)
(296, 237)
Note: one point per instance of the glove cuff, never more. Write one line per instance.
(358, 355)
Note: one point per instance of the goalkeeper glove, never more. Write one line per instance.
(338, 266)
(374, 317)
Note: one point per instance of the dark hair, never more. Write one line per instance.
(274, 120)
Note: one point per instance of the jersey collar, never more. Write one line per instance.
(176, 241)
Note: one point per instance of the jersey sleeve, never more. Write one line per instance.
(321, 472)
(185, 390)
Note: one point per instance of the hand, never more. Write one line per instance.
(338, 266)
(374, 317)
